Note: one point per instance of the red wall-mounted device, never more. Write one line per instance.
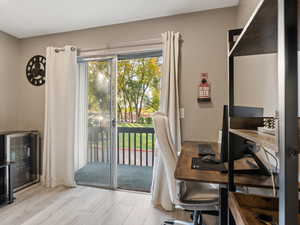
(204, 94)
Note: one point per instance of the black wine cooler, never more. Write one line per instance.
(23, 149)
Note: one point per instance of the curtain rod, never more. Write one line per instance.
(117, 45)
(140, 43)
(128, 44)
(57, 50)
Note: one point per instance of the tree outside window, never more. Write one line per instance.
(138, 91)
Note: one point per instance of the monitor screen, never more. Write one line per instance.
(238, 143)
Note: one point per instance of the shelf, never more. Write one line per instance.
(266, 140)
(259, 36)
(246, 208)
(249, 209)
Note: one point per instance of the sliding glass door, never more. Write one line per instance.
(120, 156)
(100, 167)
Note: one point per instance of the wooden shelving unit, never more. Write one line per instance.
(272, 28)
(249, 209)
(259, 36)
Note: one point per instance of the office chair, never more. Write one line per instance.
(200, 198)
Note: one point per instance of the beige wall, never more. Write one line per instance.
(259, 71)
(245, 10)
(256, 82)
(204, 50)
(9, 80)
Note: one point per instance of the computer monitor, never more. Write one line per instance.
(241, 146)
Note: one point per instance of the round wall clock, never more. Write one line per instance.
(36, 70)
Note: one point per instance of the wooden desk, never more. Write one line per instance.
(185, 172)
(265, 140)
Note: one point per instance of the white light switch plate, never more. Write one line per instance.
(181, 113)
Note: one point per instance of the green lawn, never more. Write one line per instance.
(138, 137)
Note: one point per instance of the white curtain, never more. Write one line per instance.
(81, 126)
(169, 104)
(59, 154)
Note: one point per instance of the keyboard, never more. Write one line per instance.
(198, 164)
(205, 149)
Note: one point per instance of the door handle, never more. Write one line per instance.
(113, 122)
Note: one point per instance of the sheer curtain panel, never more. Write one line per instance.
(81, 122)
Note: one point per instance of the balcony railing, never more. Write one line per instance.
(135, 145)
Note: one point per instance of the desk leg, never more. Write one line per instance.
(225, 216)
(223, 205)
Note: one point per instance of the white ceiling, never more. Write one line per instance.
(27, 18)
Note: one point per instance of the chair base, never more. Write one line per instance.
(177, 222)
(196, 217)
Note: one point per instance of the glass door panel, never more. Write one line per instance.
(100, 167)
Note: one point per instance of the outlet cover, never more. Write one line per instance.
(181, 113)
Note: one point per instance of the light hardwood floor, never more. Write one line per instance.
(83, 206)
